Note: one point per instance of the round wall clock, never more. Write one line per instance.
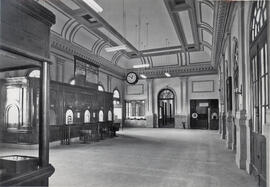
(132, 78)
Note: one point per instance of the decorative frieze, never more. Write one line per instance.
(176, 71)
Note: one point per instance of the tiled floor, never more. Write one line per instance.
(148, 157)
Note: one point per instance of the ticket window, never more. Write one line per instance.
(100, 116)
(69, 117)
(87, 116)
(109, 115)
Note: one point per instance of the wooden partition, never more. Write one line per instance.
(63, 98)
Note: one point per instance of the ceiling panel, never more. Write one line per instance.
(167, 60)
(70, 4)
(146, 23)
(207, 50)
(207, 14)
(84, 38)
(199, 57)
(207, 36)
(185, 21)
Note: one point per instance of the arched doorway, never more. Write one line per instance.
(166, 109)
(259, 68)
(12, 117)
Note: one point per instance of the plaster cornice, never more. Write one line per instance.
(71, 49)
(177, 71)
(222, 12)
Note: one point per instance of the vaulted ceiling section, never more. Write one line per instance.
(161, 33)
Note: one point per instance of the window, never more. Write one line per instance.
(259, 18)
(259, 65)
(109, 115)
(12, 117)
(69, 117)
(116, 97)
(72, 81)
(100, 116)
(87, 116)
(101, 88)
(34, 74)
(135, 109)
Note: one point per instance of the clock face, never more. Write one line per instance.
(132, 78)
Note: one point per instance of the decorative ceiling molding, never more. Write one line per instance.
(105, 25)
(177, 71)
(69, 48)
(222, 12)
(174, 9)
(76, 19)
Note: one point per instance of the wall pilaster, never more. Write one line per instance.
(241, 140)
(229, 130)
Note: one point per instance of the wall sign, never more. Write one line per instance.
(85, 71)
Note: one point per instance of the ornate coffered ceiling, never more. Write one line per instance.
(162, 33)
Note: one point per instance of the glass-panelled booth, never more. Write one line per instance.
(25, 43)
(71, 106)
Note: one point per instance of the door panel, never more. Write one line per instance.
(258, 158)
(204, 114)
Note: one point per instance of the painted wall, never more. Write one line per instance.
(184, 88)
(203, 87)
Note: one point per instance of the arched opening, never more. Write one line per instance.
(117, 107)
(87, 116)
(100, 116)
(69, 117)
(116, 97)
(101, 88)
(52, 117)
(72, 81)
(166, 107)
(259, 71)
(34, 74)
(109, 115)
(12, 117)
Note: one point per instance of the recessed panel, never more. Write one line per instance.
(199, 57)
(112, 37)
(207, 36)
(84, 38)
(137, 89)
(70, 4)
(165, 60)
(207, 50)
(203, 86)
(146, 24)
(185, 21)
(207, 14)
(107, 55)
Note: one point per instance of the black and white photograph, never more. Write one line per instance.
(135, 93)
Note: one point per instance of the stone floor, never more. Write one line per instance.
(147, 157)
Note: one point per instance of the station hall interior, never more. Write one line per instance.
(135, 93)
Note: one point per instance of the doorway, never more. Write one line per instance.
(166, 109)
(204, 114)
